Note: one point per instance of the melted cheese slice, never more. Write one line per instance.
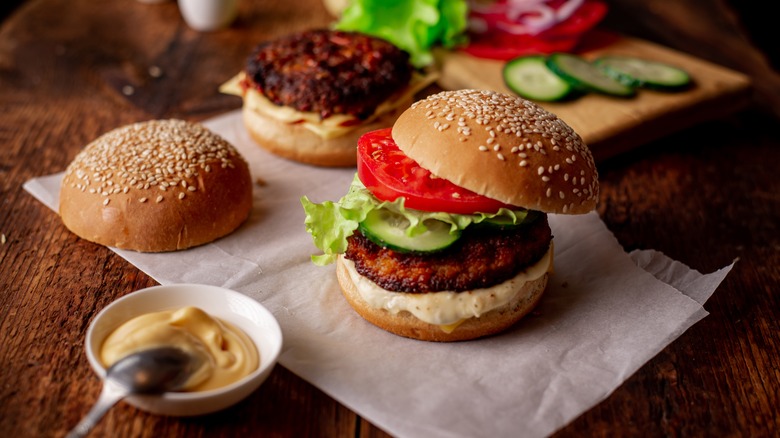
(331, 127)
(447, 309)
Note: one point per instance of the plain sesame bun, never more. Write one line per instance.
(294, 141)
(526, 296)
(503, 147)
(156, 186)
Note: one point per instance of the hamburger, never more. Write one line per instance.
(308, 96)
(155, 186)
(443, 234)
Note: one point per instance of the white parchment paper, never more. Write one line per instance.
(605, 314)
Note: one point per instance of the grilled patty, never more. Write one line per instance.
(329, 72)
(482, 257)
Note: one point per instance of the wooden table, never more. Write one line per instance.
(71, 70)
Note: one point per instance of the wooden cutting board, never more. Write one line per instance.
(611, 125)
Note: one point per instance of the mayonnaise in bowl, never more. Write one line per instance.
(226, 353)
(214, 321)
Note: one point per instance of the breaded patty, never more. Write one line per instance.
(482, 257)
(329, 72)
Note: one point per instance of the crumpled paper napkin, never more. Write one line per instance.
(604, 315)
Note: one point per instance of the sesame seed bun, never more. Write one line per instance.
(526, 296)
(161, 185)
(295, 142)
(503, 147)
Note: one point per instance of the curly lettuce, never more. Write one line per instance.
(331, 223)
(415, 26)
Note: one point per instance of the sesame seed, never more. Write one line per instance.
(162, 153)
(181, 195)
(159, 199)
(523, 127)
(105, 202)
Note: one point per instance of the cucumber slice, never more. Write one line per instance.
(583, 74)
(529, 77)
(644, 73)
(388, 229)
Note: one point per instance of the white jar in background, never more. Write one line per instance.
(208, 15)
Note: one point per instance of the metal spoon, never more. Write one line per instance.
(152, 371)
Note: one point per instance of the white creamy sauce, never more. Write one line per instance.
(446, 307)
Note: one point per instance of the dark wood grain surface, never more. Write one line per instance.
(71, 70)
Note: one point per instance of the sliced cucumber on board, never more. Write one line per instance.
(585, 75)
(388, 229)
(637, 72)
(529, 77)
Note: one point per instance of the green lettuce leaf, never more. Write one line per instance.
(415, 26)
(331, 223)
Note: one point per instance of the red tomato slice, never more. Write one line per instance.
(563, 37)
(585, 18)
(516, 45)
(389, 174)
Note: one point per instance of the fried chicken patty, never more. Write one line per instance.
(482, 257)
(329, 72)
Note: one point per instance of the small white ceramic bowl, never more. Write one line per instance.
(244, 312)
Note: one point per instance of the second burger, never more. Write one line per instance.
(308, 96)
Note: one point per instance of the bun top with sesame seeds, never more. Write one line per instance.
(156, 186)
(502, 147)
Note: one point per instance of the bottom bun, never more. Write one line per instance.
(294, 142)
(407, 325)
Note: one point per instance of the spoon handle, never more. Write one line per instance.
(109, 396)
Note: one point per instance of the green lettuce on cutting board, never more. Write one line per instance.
(415, 26)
